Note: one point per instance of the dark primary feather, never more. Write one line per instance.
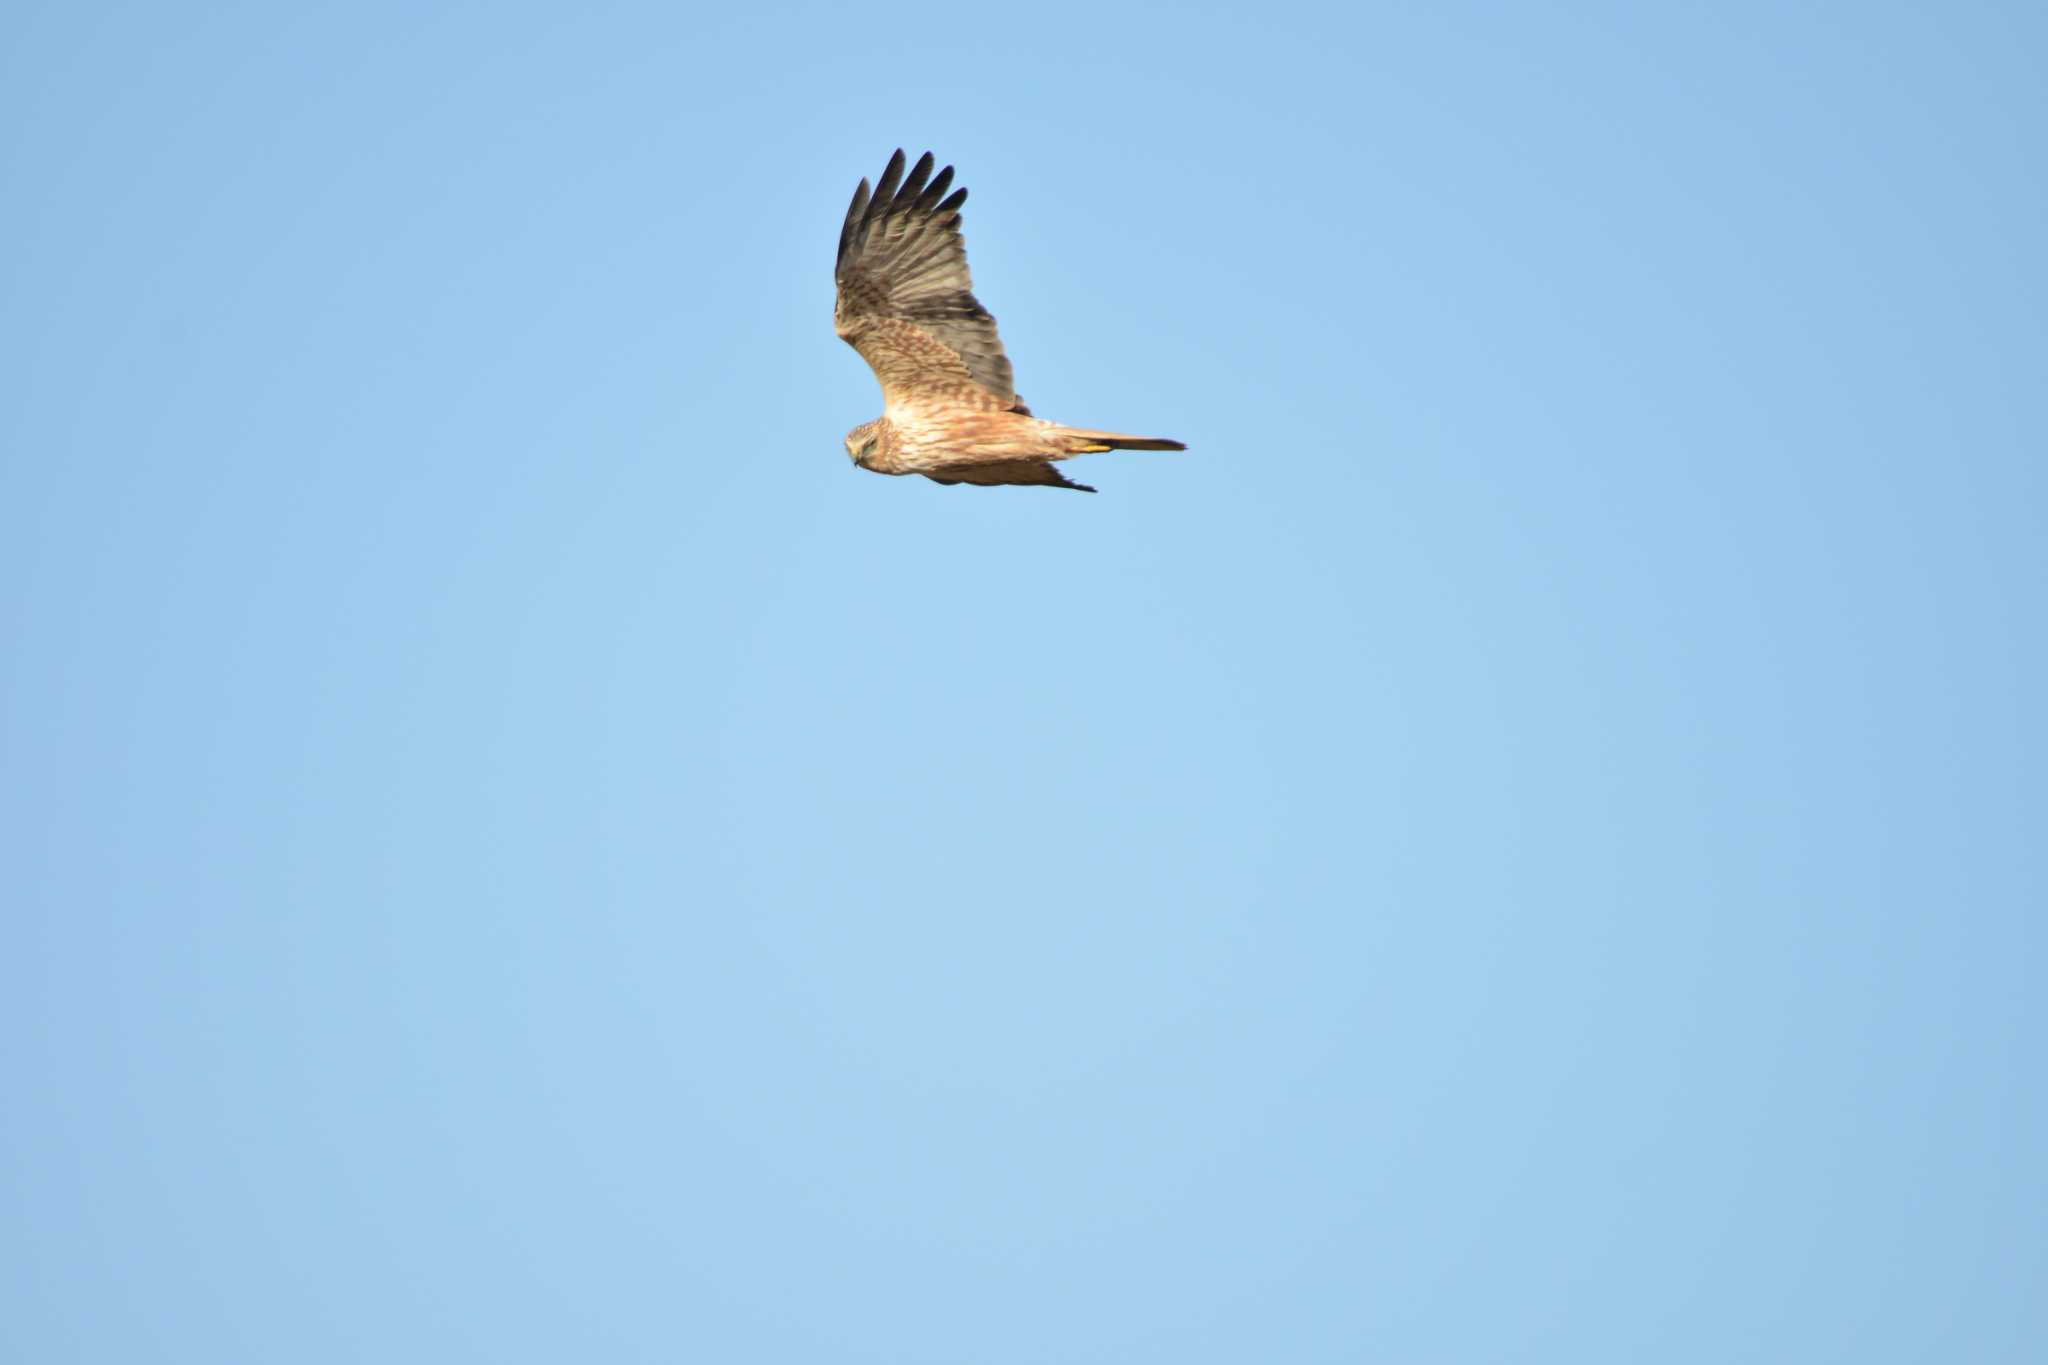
(901, 256)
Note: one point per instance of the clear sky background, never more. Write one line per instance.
(1524, 843)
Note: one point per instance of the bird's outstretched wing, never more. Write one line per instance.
(906, 301)
(1043, 472)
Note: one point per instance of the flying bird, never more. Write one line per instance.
(906, 303)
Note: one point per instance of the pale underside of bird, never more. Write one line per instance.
(906, 303)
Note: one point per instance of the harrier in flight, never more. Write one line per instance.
(907, 305)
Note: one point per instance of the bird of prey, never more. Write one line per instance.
(907, 305)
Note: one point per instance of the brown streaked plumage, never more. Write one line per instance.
(906, 303)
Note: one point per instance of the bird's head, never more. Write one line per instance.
(861, 441)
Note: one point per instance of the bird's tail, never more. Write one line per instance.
(1082, 441)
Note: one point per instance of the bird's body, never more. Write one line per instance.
(906, 303)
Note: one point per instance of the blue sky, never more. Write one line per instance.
(1522, 844)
